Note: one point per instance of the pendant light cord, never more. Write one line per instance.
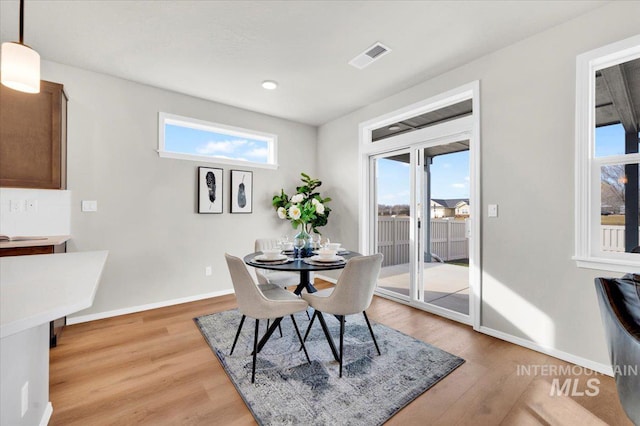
(21, 21)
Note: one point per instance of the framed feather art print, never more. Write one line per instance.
(241, 191)
(209, 190)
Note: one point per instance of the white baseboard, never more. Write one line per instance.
(565, 356)
(329, 279)
(140, 308)
(46, 416)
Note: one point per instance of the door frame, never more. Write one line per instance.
(467, 125)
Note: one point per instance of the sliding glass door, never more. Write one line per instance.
(421, 217)
(443, 182)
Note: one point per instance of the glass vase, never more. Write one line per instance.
(307, 250)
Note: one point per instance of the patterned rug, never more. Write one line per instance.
(290, 391)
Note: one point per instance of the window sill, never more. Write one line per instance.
(615, 265)
(213, 160)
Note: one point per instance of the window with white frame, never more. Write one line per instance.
(608, 158)
(190, 139)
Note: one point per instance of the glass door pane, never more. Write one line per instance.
(443, 184)
(392, 214)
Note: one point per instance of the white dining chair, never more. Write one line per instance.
(279, 278)
(274, 302)
(352, 294)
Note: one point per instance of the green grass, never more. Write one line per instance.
(459, 262)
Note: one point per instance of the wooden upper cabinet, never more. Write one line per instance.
(33, 138)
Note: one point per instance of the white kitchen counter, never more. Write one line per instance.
(41, 288)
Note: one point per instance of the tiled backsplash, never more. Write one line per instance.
(34, 212)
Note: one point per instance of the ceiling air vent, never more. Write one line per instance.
(373, 53)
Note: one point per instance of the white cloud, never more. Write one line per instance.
(219, 147)
(459, 185)
(258, 152)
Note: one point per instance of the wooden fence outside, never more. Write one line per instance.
(448, 239)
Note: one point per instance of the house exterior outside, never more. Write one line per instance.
(454, 207)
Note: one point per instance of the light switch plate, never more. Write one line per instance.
(16, 206)
(493, 210)
(89, 206)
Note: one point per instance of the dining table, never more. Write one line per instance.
(304, 266)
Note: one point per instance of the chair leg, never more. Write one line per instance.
(315, 313)
(279, 327)
(300, 338)
(237, 334)
(341, 341)
(307, 312)
(371, 331)
(255, 352)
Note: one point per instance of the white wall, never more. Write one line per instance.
(158, 245)
(530, 286)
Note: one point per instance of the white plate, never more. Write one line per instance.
(334, 259)
(341, 251)
(263, 258)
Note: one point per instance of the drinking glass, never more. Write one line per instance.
(298, 244)
(325, 242)
(283, 241)
(316, 241)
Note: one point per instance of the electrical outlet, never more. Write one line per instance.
(25, 398)
(208, 271)
(32, 206)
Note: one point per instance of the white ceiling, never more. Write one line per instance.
(223, 50)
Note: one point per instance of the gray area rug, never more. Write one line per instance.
(289, 391)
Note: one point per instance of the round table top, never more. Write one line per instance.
(298, 264)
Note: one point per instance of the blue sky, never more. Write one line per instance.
(199, 142)
(609, 140)
(449, 178)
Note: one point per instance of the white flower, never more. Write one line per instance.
(282, 213)
(315, 201)
(320, 208)
(294, 212)
(297, 198)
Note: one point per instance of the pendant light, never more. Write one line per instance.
(20, 65)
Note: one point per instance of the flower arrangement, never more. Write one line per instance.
(306, 207)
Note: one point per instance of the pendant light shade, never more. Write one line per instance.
(20, 67)
(19, 64)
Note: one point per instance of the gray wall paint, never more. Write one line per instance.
(531, 287)
(158, 245)
(24, 357)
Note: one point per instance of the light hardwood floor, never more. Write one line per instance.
(155, 368)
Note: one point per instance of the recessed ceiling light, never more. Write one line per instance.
(269, 84)
(394, 127)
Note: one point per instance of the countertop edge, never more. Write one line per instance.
(22, 324)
